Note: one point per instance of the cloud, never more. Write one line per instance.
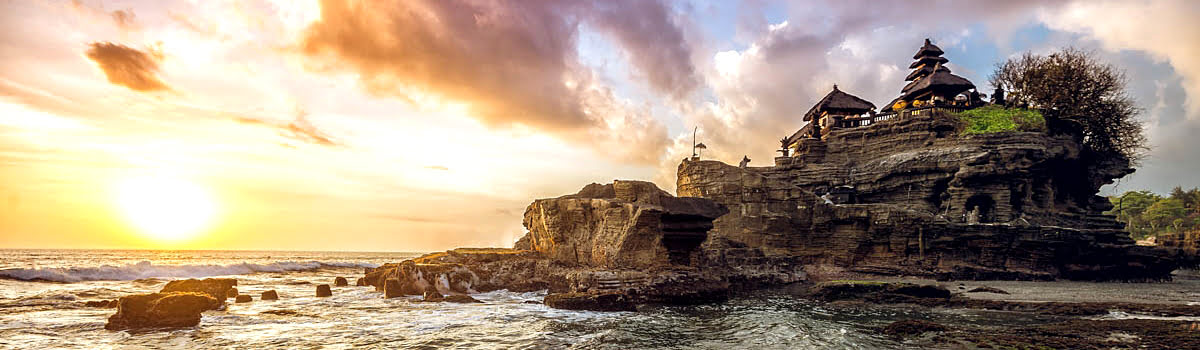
(299, 129)
(128, 67)
(1168, 33)
(125, 19)
(511, 64)
(437, 167)
(654, 44)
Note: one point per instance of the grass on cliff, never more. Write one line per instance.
(994, 118)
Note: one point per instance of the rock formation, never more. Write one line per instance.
(627, 238)
(270, 295)
(340, 282)
(323, 291)
(911, 196)
(172, 309)
(626, 224)
(243, 298)
(218, 288)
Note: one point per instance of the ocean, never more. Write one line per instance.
(42, 293)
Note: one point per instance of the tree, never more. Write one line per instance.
(1129, 207)
(1079, 95)
(1163, 213)
(1190, 198)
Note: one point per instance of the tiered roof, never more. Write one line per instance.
(930, 75)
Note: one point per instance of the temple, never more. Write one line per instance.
(931, 88)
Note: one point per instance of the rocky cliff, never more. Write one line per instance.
(912, 196)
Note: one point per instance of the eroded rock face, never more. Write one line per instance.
(218, 288)
(626, 224)
(913, 197)
(156, 310)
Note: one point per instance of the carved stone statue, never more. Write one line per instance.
(783, 146)
(745, 160)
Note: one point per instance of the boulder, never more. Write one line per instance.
(218, 288)
(393, 289)
(904, 328)
(323, 291)
(881, 292)
(270, 295)
(610, 301)
(340, 282)
(102, 303)
(460, 298)
(155, 310)
(432, 294)
(626, 224)
(243, 298)
(360, 282)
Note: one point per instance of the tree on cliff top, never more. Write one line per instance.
(1077, 94)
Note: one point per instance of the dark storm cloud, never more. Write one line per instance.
(126, 66)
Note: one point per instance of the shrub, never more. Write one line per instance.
(995, 118)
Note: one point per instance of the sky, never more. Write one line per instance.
(425, 125)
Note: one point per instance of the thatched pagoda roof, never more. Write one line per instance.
(925, 70)
(941, 81)
(838, 101)
(928, 61)
(929, 49)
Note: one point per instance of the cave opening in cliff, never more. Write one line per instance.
(980, 209)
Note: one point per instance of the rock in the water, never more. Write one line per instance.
(270, 295)
(323, 291)
(986, 289)
(912, 327)
(912, 196)
(393, 288)
(360, 282)
(218, 288)
(590, 301)
(102, 303)
(460, 298)
(880, 292)
(340, 282)
(432, 294)
(627, 224)
(243, 298)
(173, 309)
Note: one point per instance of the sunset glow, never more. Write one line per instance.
(164, 209)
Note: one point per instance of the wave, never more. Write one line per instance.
(146, 269)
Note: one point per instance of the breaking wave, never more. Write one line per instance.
(145, 269)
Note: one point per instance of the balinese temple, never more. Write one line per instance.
(931, 83)
(836, 110)
(930, 88)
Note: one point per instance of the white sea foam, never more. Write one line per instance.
(146, 269)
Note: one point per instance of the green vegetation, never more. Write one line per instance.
(994, 118)
(1147, 214)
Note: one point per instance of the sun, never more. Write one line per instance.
(165, 209)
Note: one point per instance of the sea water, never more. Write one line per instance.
(42, 294)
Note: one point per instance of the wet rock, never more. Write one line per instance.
(102, 303)
(986, 289)
(340, 282)
(393, 289)
(282, 312)
(880, 292)
(218, 288)
(906, 328)
(590, 301)
(460, 298)
(270, 295)
(360, 282)
(324, 291)
(531, 302)
(243, 298)
(432, 294)
(172, 309)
